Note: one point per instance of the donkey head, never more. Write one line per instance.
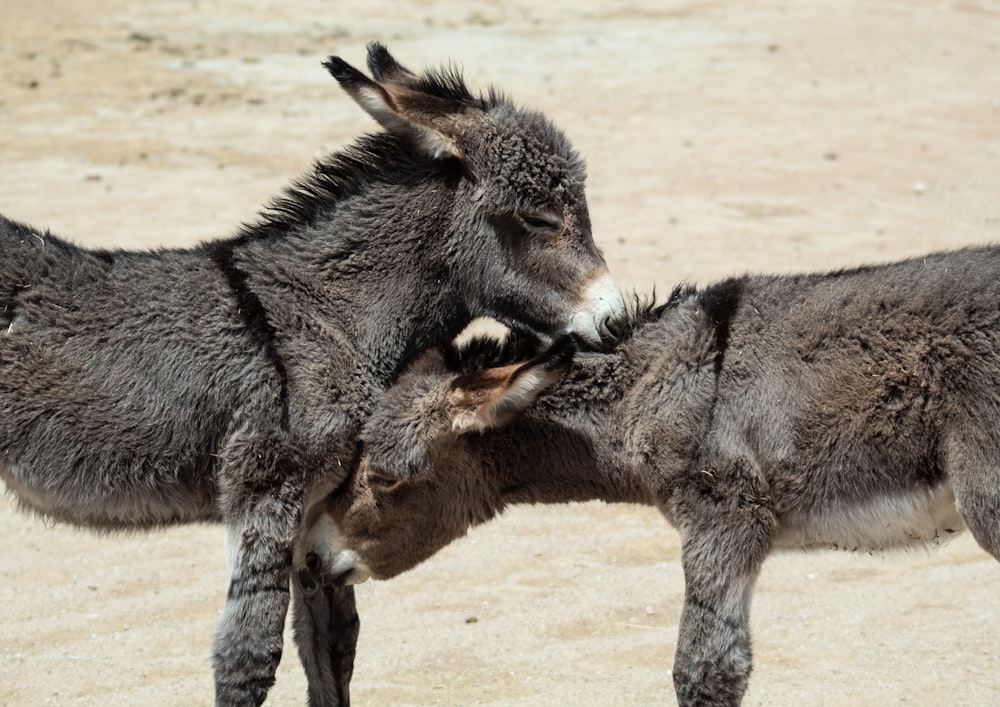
(515, 240)
(420, 482)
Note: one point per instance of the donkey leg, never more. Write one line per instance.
(980, 509)
(974, 474)
(262, 497)
(326, 633)
(721, 562)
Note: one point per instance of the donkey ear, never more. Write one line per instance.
(385, 68)
(493, 397)
(395, 99)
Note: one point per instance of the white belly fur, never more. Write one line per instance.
(926, 516)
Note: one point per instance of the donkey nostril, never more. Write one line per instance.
(612, 330)
(312, 560)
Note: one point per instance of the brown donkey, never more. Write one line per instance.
(855, 410)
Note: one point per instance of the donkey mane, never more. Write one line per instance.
(343, 174)
(447, 82)
(334, 178)
(641, 310)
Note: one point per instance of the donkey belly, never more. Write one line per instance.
(120, 381)
(925, 515)
(104, 466)
(109, 445)
(74, 500)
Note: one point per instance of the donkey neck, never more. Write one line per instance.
(560, 463)
(570, 446)
(353, 259)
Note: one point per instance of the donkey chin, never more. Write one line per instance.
(344, 567)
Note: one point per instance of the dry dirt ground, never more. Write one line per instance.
(721, 138)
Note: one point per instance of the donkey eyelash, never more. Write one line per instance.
(541, 222)
(383, 483)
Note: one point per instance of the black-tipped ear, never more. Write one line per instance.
(400, 102)
(385, 68)
(482, 351)
(495, 396)
(558, 356)
(344, 72)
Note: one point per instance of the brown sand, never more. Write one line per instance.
(721, 138)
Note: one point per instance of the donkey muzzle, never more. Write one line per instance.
(594, 323)
(343, 568)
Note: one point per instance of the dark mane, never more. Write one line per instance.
(448, 83)
(333, 178)
(347, 172)
(644, 309)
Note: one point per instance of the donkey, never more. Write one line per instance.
(854, 409)
(227, 382)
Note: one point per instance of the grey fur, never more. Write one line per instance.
(227, 382)
(853, 409)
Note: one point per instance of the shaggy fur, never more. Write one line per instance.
(854, 409)
(227, 382)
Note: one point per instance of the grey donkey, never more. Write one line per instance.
(854, 410)
(227, 382)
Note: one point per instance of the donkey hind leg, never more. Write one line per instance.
(974, 473)
(721, 563)
(326, 633)
(262, 494)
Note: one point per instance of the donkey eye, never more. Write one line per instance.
(541, 222)
(378, 482)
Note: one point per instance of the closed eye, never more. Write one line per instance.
(382, 483)
(541, 222)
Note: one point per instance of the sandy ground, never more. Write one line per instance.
(721, 138)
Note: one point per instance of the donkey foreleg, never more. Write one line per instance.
(326, 633)
(713, 659)
(721, 562)
(262, 494)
